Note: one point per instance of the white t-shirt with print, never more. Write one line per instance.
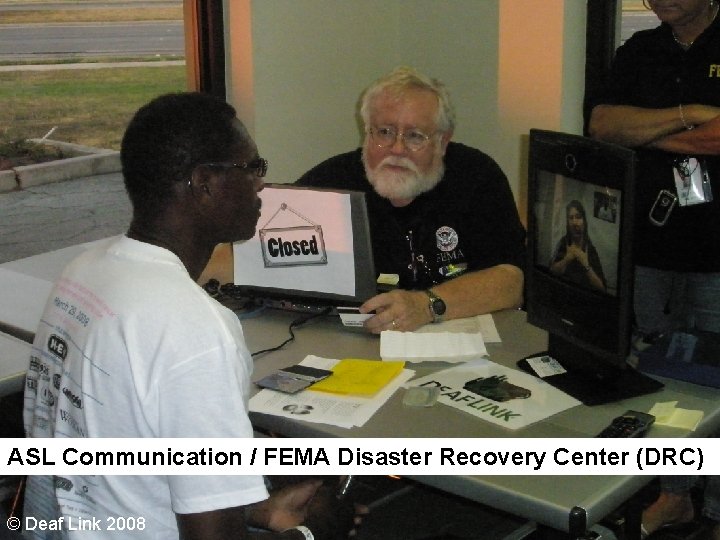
(130, 346)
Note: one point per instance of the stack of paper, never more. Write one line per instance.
(418, 347)
(451, 341)
(479, 324)
(343, 410)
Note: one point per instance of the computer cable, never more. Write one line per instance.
(295, 324)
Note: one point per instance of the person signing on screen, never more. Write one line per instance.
(576, 258)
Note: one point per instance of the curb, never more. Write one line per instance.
(66, 169)
(8, 182)
(86, 161)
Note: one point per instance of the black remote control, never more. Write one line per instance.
(631, 424)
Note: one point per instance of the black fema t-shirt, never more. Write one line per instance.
(651, 70)
(468, 222)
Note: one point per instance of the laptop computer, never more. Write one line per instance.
(311, 251)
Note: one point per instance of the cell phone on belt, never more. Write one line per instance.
(662, 207)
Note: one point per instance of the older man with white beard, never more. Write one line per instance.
(442, 215)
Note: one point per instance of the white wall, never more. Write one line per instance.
(296, 68)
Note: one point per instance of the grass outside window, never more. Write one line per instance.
(89, 106)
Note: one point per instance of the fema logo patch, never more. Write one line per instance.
(447, 238)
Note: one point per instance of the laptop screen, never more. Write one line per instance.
(311, 246)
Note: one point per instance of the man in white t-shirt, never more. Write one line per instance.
(130, 346)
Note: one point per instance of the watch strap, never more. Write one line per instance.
(434, 298)
(306, 532)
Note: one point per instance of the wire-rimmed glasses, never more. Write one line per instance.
(386, 136)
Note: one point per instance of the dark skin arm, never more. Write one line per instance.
(309, 502)
(223, 525)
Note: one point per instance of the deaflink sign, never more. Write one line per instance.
(302, 245)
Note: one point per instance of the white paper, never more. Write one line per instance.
(545, 366)
(322, 407)
(483, 324)
(352, 317)
(513, 413)
(286, 216)
(431, 346)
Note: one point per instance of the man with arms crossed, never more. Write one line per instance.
(442, 215)
(130, 346)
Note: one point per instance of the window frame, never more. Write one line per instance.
(600, 43)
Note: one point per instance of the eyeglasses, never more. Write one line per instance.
(259, 165)
(413, 139)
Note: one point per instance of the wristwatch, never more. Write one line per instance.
(437, 306)
(305, 531)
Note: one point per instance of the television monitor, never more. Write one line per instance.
(311, 250)
(580, 265)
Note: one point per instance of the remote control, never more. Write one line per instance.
(630, 424)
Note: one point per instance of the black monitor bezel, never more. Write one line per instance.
(365, 275)
(604, 165)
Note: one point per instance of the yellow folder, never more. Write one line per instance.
(360, 377)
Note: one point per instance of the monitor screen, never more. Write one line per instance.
(578, 231)
(580, 269)
(311, 250)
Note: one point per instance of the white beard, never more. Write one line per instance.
(407, 184)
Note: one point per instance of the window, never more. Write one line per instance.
(609, 24)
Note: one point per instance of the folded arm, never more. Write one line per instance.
(664, 129)
(703, 139)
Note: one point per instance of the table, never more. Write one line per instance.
(560, 502)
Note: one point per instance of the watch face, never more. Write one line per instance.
(438, 307)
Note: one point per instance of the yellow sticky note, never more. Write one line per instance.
(361, 377)
(667, 414)
(686, 419)
(663, 411)
(388, 279)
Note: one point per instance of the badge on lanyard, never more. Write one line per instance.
(692, 181)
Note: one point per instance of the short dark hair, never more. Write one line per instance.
(168, 137)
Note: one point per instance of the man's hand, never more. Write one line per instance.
(285, 508)
(311, 503)
(473, 293)
(330, 518)
(397, 310)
